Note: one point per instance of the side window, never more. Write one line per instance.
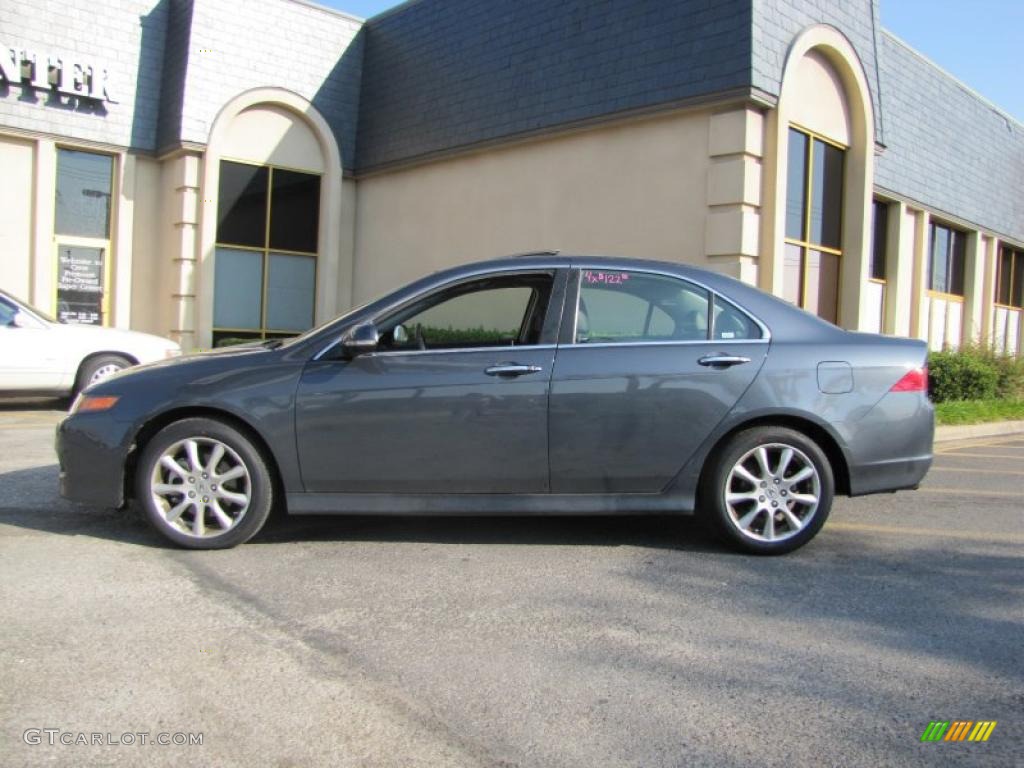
(624, 307)
(731, 324)
(496, 312)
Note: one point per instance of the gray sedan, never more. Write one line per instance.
(535, 385)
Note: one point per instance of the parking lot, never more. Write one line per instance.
(514, 642)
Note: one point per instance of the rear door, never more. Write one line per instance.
(455, 400)
(647, 365)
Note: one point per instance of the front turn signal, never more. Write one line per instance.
(915, 380)
(94, 403)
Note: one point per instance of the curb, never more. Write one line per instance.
(971, 431)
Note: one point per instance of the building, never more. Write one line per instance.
(206, 169)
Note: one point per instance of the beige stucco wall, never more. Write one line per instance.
(820, 103)
(17, 159)
(149, 297)
(636, 189)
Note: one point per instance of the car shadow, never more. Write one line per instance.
(32, 503)
(34, 404)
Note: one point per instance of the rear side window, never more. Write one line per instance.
(625, 307)
(731, 324)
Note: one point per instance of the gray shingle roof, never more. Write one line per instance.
(441, 74)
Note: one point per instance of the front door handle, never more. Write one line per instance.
(511, 370)
(722, 361)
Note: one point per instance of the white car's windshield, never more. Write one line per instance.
(10, 304)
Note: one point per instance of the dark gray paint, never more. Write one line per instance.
(431, 433)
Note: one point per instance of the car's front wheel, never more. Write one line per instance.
(769, 490)
(204, 484)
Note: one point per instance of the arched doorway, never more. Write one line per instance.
(815, 239)
(270, 217)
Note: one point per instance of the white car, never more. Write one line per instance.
(39, 355)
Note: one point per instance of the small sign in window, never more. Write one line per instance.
(80, 285)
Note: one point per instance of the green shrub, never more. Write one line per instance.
(962, 375)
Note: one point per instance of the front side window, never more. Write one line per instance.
(1010, 278)
(266, 255)
(617, 307)
(946, 260)
(503, 311)
(82, 213)
(812, 253)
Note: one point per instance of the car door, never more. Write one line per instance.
(31, 359)
(646, 366)
(454, 399)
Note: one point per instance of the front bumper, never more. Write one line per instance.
(92, 450)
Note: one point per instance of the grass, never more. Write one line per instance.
(978, 411)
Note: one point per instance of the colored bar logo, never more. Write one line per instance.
(958, 730)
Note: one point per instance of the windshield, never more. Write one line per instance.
(23, 307)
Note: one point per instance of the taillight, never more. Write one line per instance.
(914, 381)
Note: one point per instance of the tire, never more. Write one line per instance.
(98, 368)
(209, 511)
(756, 508)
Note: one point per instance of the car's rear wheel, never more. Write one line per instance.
(98, 368)
(769, 490)
(204, 484)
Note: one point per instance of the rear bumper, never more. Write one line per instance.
(885, 476)
(92, 456)
(891, 449)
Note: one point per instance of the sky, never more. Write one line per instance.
(976, 41)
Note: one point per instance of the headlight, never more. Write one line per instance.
(93, 403)
(172, 352)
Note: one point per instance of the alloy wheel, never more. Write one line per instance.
(201, 487)
(772, 492)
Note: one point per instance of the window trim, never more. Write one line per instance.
(106, 244)
(887, 205)
(574, 294)
(804, 244)
(933, 224)
(1016, 269)
(264, 332)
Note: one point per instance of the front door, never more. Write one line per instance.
(453, 401)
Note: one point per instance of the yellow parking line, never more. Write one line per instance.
(971, 492)
(982, 456)
(974, 470)
(939, 533)
(960, 446)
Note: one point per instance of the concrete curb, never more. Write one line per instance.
(972, 431)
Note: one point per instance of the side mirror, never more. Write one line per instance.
(363, 338)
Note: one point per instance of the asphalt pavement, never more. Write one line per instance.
(586, 642)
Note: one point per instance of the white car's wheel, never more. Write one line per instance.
(98, 368)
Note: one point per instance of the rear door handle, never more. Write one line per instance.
(722, 361)
(512, 370)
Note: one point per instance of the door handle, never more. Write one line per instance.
(512, 370)
(722, 361)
